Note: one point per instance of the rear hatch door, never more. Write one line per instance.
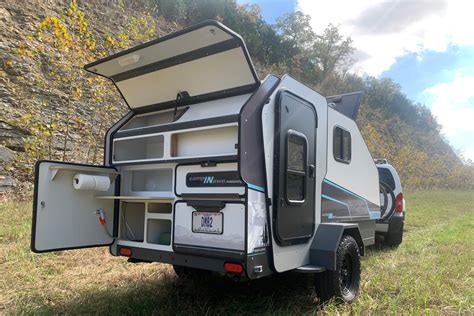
(207, 61)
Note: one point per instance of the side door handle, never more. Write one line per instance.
(312, 171)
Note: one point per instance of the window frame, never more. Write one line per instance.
(341, 149)
(288, 171)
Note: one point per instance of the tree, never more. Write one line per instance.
(332, 51)
(296, 29)
(315, 56)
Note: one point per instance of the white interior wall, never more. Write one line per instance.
(198, 111)
(150, 147)
(154, 180)
(163, 85)
(215, 108)
(158, 173)
(208, 142)
(196, 39)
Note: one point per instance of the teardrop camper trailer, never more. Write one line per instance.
(214, 169)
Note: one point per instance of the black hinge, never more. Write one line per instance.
(208, 164)
(209, 206)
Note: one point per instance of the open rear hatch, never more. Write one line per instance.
(205, 61)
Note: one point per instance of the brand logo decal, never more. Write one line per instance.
(208, 179)
(213, 179)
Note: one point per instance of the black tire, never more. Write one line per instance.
(394, 236)
(342, 283)
(189, 273)
(387, 191)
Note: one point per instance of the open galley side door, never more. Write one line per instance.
(68, 218)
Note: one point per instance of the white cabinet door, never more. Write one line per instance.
(67, 218)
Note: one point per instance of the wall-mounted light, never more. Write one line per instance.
(129, 60)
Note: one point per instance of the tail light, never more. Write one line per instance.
(233, 267)
(127, 252)
(399, 203)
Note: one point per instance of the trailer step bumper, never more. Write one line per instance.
(310, 269)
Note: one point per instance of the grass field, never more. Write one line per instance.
(431, 272)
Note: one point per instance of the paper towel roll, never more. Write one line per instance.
(91, 182)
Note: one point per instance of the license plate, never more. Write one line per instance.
(207, 222)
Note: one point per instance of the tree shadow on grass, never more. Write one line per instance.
(381, 246)
(288, 293)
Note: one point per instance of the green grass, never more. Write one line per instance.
(432, 272)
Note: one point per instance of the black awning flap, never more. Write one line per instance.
(347, 104)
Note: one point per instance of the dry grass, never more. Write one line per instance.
(432, 272)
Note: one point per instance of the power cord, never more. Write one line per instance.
(103, 221)
(128, 229)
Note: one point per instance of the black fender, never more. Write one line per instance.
(326, 240)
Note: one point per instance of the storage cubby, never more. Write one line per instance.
(146, 223)
(160, 208)
(151, 147)
(152, 180)
(206, 142)
(147, 120)
(132, 219)
(159, 232)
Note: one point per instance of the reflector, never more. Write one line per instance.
(233, 267)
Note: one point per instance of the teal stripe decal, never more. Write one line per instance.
(332, 199)
(343, 189)
(374, 214)
(256, 187)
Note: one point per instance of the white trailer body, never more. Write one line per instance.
(212, 166)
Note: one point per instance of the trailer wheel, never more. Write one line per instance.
(342, 283)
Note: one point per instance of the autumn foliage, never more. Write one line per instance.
(72, 110)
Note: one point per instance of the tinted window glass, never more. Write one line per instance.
(346, 146)
(337, 143)
(386, 176)
(296, 152)
(296, 167)
(295, 188)
(342, 148)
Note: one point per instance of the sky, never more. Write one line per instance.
(426, 46)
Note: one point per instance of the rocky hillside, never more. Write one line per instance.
(50, 108)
